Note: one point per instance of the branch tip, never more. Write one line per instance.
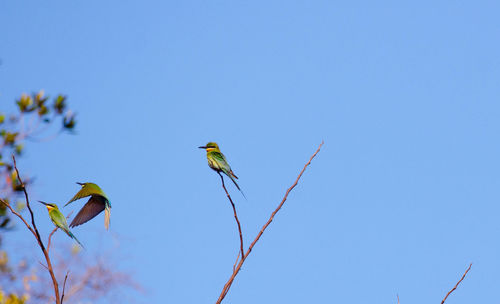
(458, 283)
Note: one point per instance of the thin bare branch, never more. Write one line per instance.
(398, 298)
(43, 265)
(235, 215)
(456, 285)
(64, 286)
(34, 230)
(236, 262)
(50, 238)
(39, 239)
(19, 216)
(228, 284)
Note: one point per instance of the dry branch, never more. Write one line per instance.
(456, 285)
(235, 214)
(50, 238)
(64, 286)
(228, 284)
(34, 231)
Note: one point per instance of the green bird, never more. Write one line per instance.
(96, 204)
(59, 220)
(217, 161)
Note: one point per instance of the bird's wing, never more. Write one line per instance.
(93, 207)
(59, 219)
(80, 194)
(221, 161)
(223, 164)
(87, 190)
(93, 189)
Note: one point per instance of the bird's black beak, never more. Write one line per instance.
(43, 203)
(81, 184)
(202, 147)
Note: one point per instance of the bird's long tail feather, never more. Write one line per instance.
(232, 177)
(107, 216)
(74, 237)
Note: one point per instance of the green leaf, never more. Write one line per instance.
(10, 138)
(43, 110)
(5, 222)
(20, 206)
(69, 121)
(40, 99)
(19, 149)
(60, 104)
(25, 103)
(3, 209)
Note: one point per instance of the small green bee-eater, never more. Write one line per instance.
(59, 220)
(96, 204)
(217, 161)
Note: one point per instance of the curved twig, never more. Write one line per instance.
(228, 284)
(235, 215)
(50, 238)
(19, 216)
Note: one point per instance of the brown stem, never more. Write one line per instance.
(235, 215)
(456, 285)
(64, 286)
(35, 232)
(19, 216)
(228, 284)
(50, 238)
(236, 262)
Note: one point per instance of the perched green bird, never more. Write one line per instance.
(59, 220)
(218, 162)
(96, 204)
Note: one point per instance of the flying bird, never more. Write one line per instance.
(96, 204)
(59, 220)
(217, 161)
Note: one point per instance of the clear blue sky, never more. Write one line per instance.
(405, 193)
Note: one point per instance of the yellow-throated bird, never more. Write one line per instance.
(96, 204)
(218, 162)
(59, 220)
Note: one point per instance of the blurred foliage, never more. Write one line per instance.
(11, 298)
(34, 115)
(89, 280)
(10, 276)
(32, 121)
